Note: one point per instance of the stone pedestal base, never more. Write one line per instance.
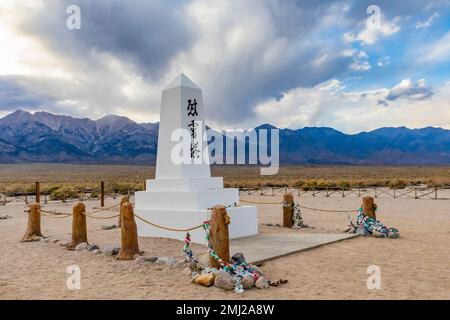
(244, 223)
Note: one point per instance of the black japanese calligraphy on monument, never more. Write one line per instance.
(195, 152)
(193, 128)
(192, 112)
(192, 108)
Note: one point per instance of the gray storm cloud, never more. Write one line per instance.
(253, 50)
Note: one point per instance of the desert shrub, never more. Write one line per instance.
(64, 192)
(297, 183)
(397, 183)
(122, 187)
(15, 188)
(344, 184)
(48, 189)
(309, 185)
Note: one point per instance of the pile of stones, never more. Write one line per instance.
(202, 275)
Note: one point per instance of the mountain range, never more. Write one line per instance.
(46, 137)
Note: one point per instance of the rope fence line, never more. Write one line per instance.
(55, 215)
(303, 207)
(106, 209)
(52, 214)
(100, 218)
(167, 228)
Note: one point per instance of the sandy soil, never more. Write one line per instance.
(416, 266)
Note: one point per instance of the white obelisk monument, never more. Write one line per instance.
(183, 193)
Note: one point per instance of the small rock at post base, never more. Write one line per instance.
(64, 243)
(166, 260)
(109, 227)
(206, 279)
(238, 258)
(92, 247)
(247, 282)
(262, 283)
(82, 246)
(111, 250)
(139, 260)
(151, 259)
(362, 232)
(224, 280)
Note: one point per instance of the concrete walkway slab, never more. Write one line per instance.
(263, 247)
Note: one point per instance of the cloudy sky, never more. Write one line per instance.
(289, 63)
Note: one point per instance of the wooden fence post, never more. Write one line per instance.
(288, 210)
(435, 194)
(144, 186)
(26, 198)
(5, 200)
(38, 192)
(219, 236)
(34, 223)
(369, 207)
(79, 232)
(129, 239)
(102, 194)
(122, 201)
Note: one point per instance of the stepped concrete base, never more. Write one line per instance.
(244, 222)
